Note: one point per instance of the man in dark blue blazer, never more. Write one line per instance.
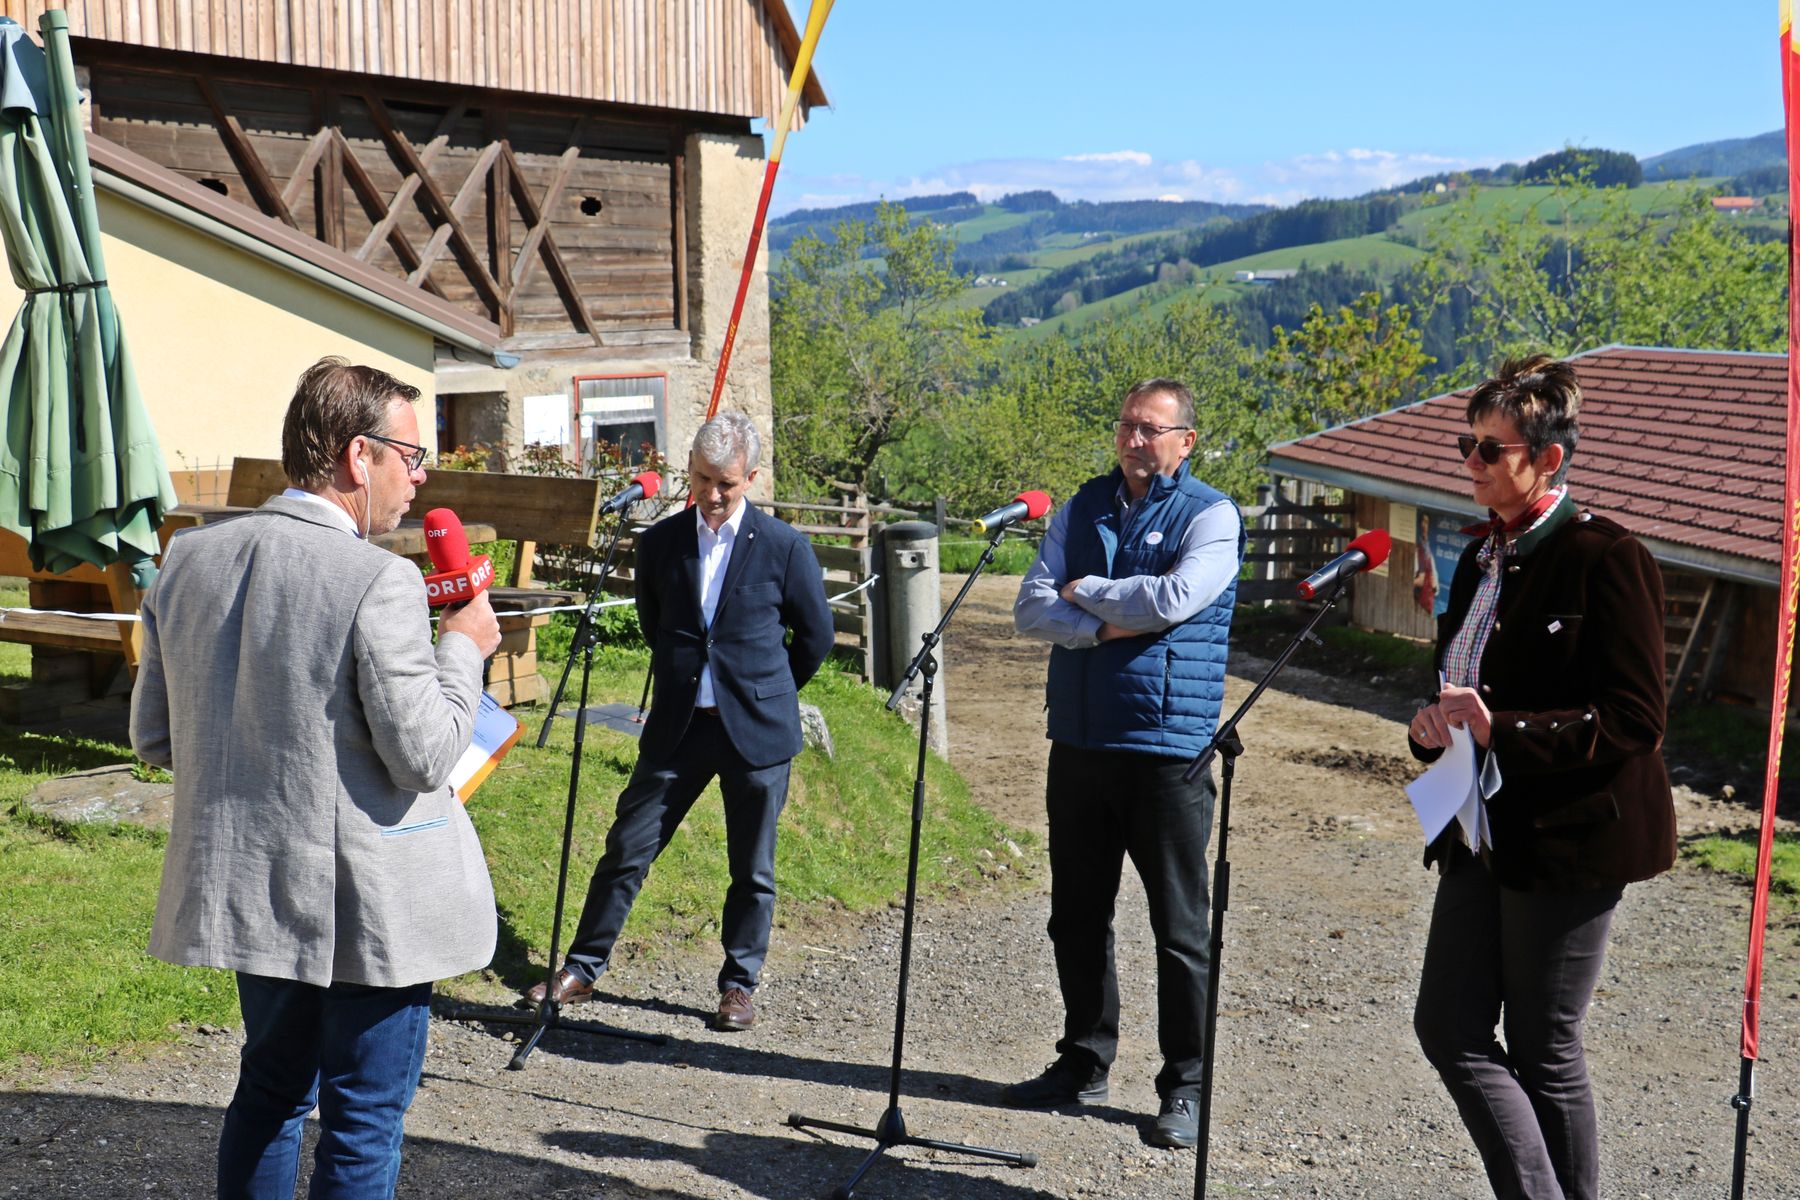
(718, 589)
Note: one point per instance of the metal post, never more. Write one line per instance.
(910, 576)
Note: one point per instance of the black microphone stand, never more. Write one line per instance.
(891, 1130)
(596, 587)
(549, 1013)
(1228, 745)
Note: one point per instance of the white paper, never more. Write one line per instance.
(1457, 787)
(1447, 789)
(496, 732)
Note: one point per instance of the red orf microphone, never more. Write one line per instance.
(1364, 554)
(457, 575)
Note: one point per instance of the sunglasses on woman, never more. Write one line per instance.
(1490, 449)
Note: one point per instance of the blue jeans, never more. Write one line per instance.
(355, 1052)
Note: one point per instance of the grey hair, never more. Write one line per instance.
(727, 438)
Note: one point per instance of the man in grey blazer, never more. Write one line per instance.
(718, 589)
(290, 682)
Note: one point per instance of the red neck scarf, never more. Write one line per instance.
(1496, 524)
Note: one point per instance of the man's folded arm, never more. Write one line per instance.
(1206, 563)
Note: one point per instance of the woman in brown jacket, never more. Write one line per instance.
(1552, 656)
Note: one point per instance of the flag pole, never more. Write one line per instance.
(815, 25)
(1784, 648)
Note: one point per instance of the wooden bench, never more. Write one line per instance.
(529, 510)
(73, 659)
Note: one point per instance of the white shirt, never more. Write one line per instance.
(715, 555)
(339, 516)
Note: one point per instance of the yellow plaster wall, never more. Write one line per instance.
(218, 336)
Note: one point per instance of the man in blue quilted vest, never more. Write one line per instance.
(1133, 589)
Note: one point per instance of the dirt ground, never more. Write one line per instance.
(1321, 1090)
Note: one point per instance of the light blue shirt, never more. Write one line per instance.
(1206, 563)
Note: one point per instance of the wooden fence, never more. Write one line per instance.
(1287, 541)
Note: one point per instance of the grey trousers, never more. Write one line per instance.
(1526, 962)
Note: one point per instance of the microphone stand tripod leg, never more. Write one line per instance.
(1227, 745)
(549, 1013)
(890, 1131)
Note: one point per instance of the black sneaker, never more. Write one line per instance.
(1177, 1125)
(1065, 1081)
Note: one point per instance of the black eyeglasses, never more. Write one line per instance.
(415, 455)
(1490, 449)
(1143, 429)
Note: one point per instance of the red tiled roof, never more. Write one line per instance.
(1683, 446)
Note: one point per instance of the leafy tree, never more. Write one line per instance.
(1358, 361)
(863, 348)
(1529, 284)
(1602, 168)
(1027, 427)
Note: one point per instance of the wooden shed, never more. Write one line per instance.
(580, 174)
(1683, 447)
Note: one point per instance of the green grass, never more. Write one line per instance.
(959, 556)
(1651, 198)
(976, 297)
(1382, 651)
(1388, 257)
(992, 221)
(1727, 734)
(844, 833)
(75, 980)
(1736, 855)
(1086, 248)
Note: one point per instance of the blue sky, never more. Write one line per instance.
(1269, 102)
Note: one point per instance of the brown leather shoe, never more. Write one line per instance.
(569, 990)
(736, 1013)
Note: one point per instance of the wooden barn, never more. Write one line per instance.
(577, 176)
(1683, 447)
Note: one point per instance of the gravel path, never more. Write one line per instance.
(1320, 1090)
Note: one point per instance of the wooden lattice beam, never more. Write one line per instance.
(362, 186)
(397, 207)
(432, 199)
(539, 242)
(244, 156)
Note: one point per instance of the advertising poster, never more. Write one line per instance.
(1440, 543)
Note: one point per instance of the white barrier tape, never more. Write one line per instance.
(859, 587)
(555, 608)
(532, 612)
(63, 612)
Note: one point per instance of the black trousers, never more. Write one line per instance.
(657, 797)
(1104, 805)
(1527, 961)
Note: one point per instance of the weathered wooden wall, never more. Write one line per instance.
(715, 56)
(551, 221)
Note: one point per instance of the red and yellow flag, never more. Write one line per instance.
(1790, 546)
(815, 25)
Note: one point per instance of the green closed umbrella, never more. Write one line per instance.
(82, 478)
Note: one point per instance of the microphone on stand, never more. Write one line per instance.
(1026, 506)
(642, 487)
(456, 575)
(1364, 554)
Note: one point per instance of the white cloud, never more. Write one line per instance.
(1135, 175)
(1137, 157)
